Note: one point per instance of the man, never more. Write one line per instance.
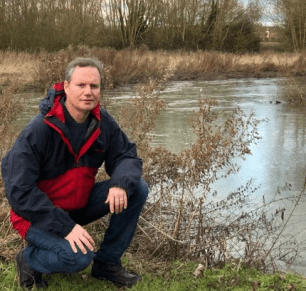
(49, 179)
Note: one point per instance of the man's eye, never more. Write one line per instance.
(94, 86)
(82, 85)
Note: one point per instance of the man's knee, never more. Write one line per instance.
(142, 191)
(83, 260)
(75, 262)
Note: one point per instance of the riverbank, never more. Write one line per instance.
(175, 276)
(35, 72)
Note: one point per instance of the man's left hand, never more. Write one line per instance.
(117, 199)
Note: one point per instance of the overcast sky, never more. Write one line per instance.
(265, 19)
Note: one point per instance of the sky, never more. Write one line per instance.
(265, 19)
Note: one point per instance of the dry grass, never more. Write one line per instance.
(292, 90)
(137, 65)
(10, 107)
(17, 67)
(133, 66)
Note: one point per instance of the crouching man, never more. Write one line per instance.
(49, 177)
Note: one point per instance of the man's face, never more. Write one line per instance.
(82, 91)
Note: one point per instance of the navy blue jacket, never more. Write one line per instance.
(45, 179)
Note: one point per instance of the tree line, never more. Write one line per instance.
(35, 25)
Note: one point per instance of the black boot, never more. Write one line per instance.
(26, 277)
(114, 273)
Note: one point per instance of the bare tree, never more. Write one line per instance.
(3, 29)
(227, 25)
(132, 17)
(291, 16)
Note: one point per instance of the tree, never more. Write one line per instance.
(133, 18)
(292, 18)
(4, 37)
(228, 26)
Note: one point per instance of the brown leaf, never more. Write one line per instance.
(255, 285)
(198, 273)
(85, 277)
(282, 277)
(292, 286)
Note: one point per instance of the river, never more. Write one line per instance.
(276, 159)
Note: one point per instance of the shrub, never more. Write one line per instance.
(183, 218)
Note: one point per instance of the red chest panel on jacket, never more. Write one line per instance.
(70, 191)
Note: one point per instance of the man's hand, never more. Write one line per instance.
(117, 199)
(80, 237)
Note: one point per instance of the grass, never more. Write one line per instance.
(18, 66)
(177, 276)
(129, 66)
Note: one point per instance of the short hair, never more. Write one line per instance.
(83, 62)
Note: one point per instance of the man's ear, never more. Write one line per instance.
(66, 85)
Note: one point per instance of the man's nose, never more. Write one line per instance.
(87, 90)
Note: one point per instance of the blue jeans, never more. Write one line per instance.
(48, 253)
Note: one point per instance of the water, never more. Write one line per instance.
(276, 159)
(279, 155)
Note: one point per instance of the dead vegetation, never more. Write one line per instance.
(10, 107)
(131, 66)
(292, 91)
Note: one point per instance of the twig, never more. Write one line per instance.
(144, 233)
(192, 217)
(163, 233)
(296, 204)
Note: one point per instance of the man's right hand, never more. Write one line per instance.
(80, 237)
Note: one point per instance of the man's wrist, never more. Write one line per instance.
(117, 187)
(69, 230)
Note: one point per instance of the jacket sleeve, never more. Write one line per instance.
(121, 161)
(21, 171)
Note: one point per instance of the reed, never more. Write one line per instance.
(292, 91)
(131, 66)
(19, 68)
